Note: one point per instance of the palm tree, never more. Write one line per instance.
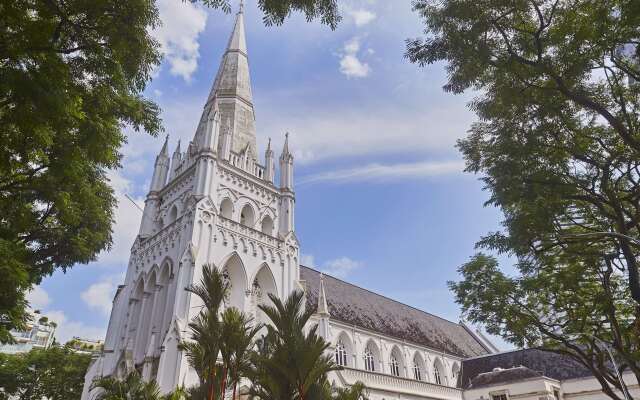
(203, 349)
(238, 332)
(296, 361)
(132, 387)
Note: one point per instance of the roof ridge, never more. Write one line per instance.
(383, 296)
(500, 353)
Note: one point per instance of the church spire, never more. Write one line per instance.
(323, 308)
(231, 92)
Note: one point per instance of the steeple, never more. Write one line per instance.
(269, 164)
(231, 92)
(286, 165)
(323, 311)
(175, 161)
(161, 168)
(323, 308)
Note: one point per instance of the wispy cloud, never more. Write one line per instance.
(382, 172)
(182, 23)
(127, 222)
(350, 64)
(100, 294)
(38, 298)
(339, 267)
(361, 16)
(68, 329)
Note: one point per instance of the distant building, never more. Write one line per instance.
(85, 346)
(39, 334)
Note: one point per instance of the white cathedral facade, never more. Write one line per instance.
(214, 202)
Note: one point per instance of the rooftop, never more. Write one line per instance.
(357, 306)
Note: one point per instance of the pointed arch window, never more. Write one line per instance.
(437, 377)
(395, 367)
(341, 354)
(369, 360)
(417, 372)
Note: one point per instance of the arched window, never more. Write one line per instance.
(341, 354)
(369, 360)
(437, 375)
(267, 225)
(226, 208)
(393, 364)
(417, 372)
(455, 371)
(173, 214)
(246, 216)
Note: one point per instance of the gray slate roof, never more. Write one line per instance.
(503, 376)
(354, 305)
(552, 365)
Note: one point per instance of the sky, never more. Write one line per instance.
(381, 197)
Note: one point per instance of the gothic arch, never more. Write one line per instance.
(267, 225)
(345, 340)
(161, 313)
(455, 374)
(146, 319)
(396, 356)
(248, 215)
(234, 270)
(173, 213)
(151, 274)
(262, 285)
(439, 373)
(418, 367)
(371, 356)
(226, 208)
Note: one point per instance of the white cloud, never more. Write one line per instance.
(364, 130)
(66, 329)
(38, 298)
(308, 260)
(127, 222)
(100, 295)
(340, 267)
(182, 23)
(350, 64)
(381, 172)
(361, 16)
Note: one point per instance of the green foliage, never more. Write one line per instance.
(276, 11)
(291, 363)
(207, 334)
(558, 144)
(238, 332)
(56, 373)
(71, 76)
(132, 387)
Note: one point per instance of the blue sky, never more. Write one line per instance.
(381, 197)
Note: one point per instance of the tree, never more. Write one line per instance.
(238, 333)
(275, 12)
(132, 387)
(56, 373)
(72, 77)
(206, 331)
(292, 363)
(558, 145)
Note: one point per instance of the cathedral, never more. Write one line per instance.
(214, 202)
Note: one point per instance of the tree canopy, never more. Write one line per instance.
(558, 147)
(56, 373)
